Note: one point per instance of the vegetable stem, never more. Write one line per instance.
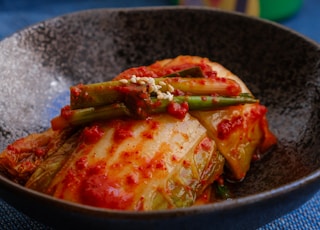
(222, 191)
(99, 94)
(200, 102)
(83, 116)
(140, 108)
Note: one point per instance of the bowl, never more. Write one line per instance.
(281, 67)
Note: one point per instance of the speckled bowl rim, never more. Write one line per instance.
(160, 214)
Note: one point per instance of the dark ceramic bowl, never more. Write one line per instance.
(282, 68)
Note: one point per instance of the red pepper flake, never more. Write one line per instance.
(207, 70)
(99, 167)
(124, 89)
(202, 82)
(40, 151)
(146, 171)
(81, 163)
(102, 191)
(143, 71)
(234, 89)
(117, 165)
(161, 165)
(156, 104)
(132, 179)
(66, 112)
(211, 74)
(258, 112)
(12, 148)
(206, 144)
(204, 98)
(126, 154)
(152, 123)
(147, 135)
(152, 127)
(91, 135)
(226, 126)
(234, 152)
(178, 110)
(76, 91)
(174, 158)
(70, 180)
(186, 164)
(178, 92)
(214, 100)
(122, 131)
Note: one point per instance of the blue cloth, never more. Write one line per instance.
(16, 15)
(306, 21)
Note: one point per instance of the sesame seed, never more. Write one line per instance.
(162, 83)
(141, 82)
(170, 88)
(153, 87)
(160, 96)
(133, 79)
(123, 81)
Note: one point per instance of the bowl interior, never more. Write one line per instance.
(38, 64)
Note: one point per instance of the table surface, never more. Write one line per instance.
(17, 15)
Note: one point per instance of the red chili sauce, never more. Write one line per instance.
(123, 130)
(227, 126)
(91, 134)
(102, 191)
(178, 110)
(66, 112)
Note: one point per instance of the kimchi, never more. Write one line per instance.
(155, 137)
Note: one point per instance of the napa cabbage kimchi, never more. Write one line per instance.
(155, 137)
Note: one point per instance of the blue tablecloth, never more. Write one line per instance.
(16, 15)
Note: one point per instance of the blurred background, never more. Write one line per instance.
(300, 15)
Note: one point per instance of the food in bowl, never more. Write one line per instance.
(156, 137)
